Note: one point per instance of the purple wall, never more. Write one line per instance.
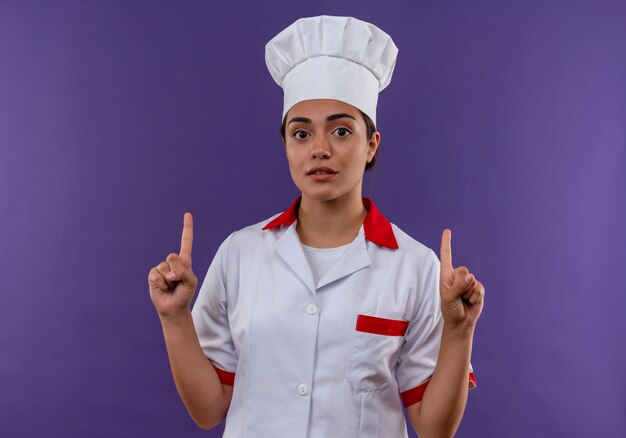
(504, 121)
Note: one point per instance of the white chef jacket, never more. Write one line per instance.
(322, 259)
(336, 359)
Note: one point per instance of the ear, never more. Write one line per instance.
(372, 146)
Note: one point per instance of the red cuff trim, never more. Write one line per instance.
(472, 382)
(381, 326)
(226, 377)
(416, 394)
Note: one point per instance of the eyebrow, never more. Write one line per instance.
(328, 119)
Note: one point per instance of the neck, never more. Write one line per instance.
(327, 224)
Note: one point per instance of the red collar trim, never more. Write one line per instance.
(377, 228)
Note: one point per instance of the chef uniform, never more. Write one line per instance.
(337, 350)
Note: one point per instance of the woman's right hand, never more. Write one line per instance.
(172, 295)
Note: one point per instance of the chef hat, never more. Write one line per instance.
(327, 57)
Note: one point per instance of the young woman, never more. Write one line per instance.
(325, 319)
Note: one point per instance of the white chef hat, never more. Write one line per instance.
(327, 57)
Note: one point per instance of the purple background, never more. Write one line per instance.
(504, 121)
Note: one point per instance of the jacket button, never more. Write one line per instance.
(303, 389)
(311, 309)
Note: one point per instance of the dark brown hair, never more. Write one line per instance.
(369, 124)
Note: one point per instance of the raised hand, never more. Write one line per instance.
(172, 283)
(462, 296)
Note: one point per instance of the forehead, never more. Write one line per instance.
(320, 108)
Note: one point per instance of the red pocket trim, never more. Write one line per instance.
(226, 378)
(381, 326)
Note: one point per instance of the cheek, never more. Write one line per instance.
(356, 160)
(296, 154)
(294, 161)
(295, 169)
(291, 159)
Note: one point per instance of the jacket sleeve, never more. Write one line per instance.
(210, 316)
(418, 356)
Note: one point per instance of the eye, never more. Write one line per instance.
(345, 132)
(298, 136)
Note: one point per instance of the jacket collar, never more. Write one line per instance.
(376, 227)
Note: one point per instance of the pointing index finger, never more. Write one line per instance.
(187, 238)
(445, 254)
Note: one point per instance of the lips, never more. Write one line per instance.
(321, 171)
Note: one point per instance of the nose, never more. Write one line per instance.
(320, 148)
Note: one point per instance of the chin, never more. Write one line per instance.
(324, 194)
(319, 193)
(323, 191)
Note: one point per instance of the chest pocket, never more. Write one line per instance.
(375, 351)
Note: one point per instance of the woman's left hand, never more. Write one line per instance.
(461, 301)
